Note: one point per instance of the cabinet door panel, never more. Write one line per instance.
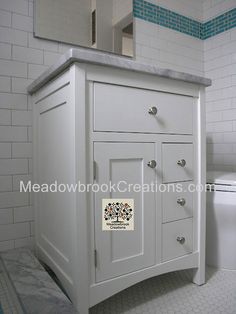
(121, 252)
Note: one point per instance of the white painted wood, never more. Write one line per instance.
(81, 253)
(172, 153)
(124, 109)
(54, 85)
(141, 137)
(66, 112)
(121, 252)
(54, 146)
(171, 248)
(146, 81)
(200, 233)
(172, 210)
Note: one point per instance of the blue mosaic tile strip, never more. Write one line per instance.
(167, 18)
(219, 24)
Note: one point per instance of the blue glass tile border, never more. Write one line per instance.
(155, 14)
(219, 24)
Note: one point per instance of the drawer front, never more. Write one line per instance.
(177, 204)
(126, 109)
(177, 162)
(171, 247)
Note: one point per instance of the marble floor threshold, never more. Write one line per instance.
(32, 286)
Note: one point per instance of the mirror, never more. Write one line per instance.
(99, 24)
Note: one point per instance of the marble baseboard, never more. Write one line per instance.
(9, 301)
(36, 290)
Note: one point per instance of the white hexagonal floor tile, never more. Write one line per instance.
(175, 293)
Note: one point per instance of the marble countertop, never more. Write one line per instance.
(84, 55)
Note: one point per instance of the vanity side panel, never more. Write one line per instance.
(54, 161)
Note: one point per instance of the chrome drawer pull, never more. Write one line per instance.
(152, 110)
(181, 240)
(152, 164)
(181, 201)
(181, 162)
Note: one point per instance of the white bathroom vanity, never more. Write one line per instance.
(100, 118)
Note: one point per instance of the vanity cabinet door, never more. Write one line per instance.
(123, 251)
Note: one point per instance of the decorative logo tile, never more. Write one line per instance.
(118, 214)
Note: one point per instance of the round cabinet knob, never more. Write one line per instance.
(181, 201)
(181, 162)
(152, 110)
(152, 164)
(181, 240)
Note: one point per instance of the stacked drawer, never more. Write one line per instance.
(127, 109)
(177, 202)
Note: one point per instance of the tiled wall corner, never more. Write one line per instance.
(219, 24)
(220, 66)
(165, 46)
(154, 13)
(159, 15)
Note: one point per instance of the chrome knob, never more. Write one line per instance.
(152, 110)
(181, 201)
(181, 240)
(152, 164)
(181, 163)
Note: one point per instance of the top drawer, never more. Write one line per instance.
(126, 109)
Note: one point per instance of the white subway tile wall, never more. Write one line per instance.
(23, 58)
(190, 8)
(214, 57)
(212, 8)
(168, 48)
(220, 66)
(5, 183)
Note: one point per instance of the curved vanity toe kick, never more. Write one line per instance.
(105, 289)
